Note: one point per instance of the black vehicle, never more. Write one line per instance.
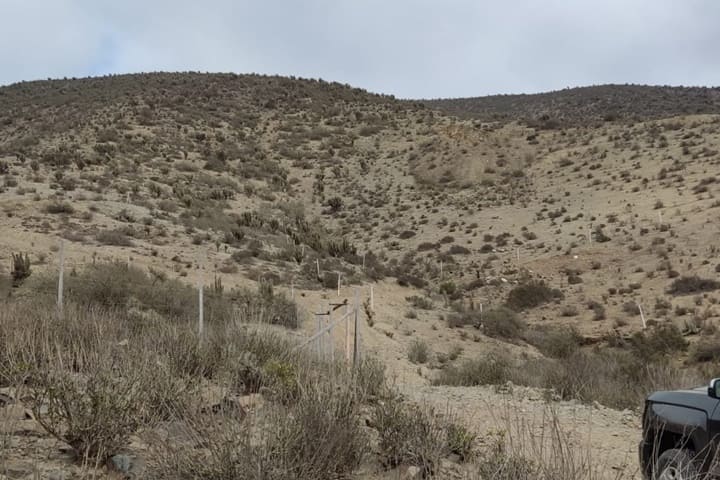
(681, 434)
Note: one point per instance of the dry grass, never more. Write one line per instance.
(540, 449)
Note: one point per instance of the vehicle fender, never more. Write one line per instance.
(690, 423)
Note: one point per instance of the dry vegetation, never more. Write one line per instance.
(512, 250)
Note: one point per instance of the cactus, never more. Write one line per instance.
(20, 268)
(218, 287)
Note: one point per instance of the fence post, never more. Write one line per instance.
(318, 320)
(642, 316)
(292, 290)
(347, 334)
(201, 309)
(339, 274)
(317, 262)
(356, 350)
(331, 344)
(60, 280)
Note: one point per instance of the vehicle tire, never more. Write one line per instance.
(676, 464)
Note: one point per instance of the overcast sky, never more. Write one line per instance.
(409, 48)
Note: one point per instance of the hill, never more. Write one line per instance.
(576, 261)
(583, 106)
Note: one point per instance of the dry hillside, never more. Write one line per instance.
(509, 261)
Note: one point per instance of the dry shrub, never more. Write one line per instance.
(555, 342)
(531, 294)
(539, 449)
(410, 435)
(694, 284)
(498, 322)
(95, 413)
(419, 352)
(316, 437)
(493, 370)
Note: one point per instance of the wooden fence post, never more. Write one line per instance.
(339, 274)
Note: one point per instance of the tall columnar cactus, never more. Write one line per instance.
(20, 268)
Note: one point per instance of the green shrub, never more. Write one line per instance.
(422, 303)
(59, 207)
(531, 294)
(661, 340)
(694, 284)
(461, 441)
(555, 342)
(706, 350)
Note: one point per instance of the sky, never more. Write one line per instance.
(407, 48)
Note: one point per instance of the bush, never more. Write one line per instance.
(370, 379)
(706, 350)
(662, 340)
(694, 284)
(318, 437)
(94, 413)
(474, 372)
(422, 303)
(409, 435)
(117, 238)
(419, 352)
(555, 342)
(502, 323)
(531, 294)
(598, 310)
(458, 250)
(59, 207)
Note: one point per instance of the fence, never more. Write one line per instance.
(326, 317)
(323, 340)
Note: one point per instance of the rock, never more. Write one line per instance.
(129, 467)
(412, 473)
(228, 405)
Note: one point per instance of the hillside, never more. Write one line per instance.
(500, 252)
(584, 106)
